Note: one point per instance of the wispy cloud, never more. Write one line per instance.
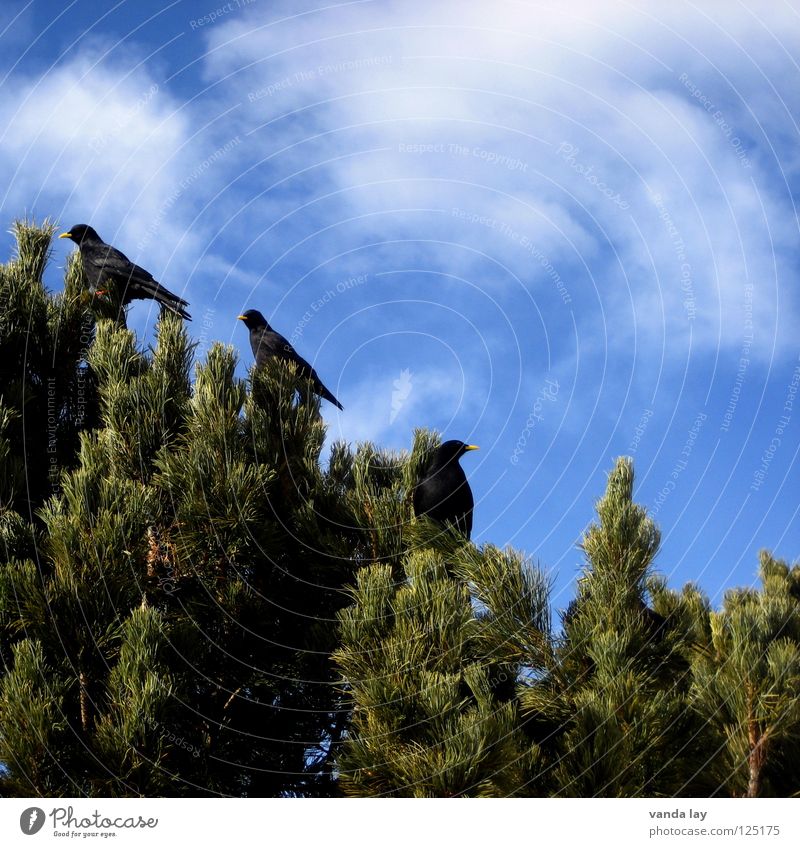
(466, 107)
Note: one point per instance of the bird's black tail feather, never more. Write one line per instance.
(167, 300)
(325, 394)
(176, 308)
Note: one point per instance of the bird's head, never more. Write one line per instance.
(253, 319)
(80, 233)
(452, 451)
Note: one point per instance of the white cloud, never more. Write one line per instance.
(92, 134)
(517, 82)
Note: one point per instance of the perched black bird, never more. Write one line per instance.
(103, 263)
(444, 493)
(267, 343)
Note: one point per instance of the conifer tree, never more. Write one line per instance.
(612, 706)
(746, 685)
(46, 394)
(430, 657)
(46, 401)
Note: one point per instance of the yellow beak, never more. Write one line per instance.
(65, 235)
(241, 318)
(472, 447)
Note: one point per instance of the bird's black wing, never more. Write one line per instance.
(308, 372)
(105, 260)
(469, 506)
(458, 503)
(445, 496)
(418, 499)
(268, 343)
(102, 261)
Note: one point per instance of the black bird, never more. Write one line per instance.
(444, 493)
(103, 263)
(267, 343)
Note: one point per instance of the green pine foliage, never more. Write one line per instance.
(746, 685)
(614, 702)
(46, 387)
(430, 671)
(193, 603)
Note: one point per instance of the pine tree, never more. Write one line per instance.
(746, 685)
(46, 391)
(611, 709)
(430, 657)
(47, 399)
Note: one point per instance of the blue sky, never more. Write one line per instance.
(564, 232)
